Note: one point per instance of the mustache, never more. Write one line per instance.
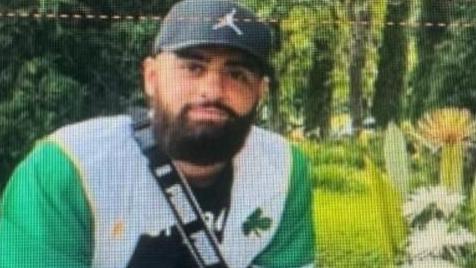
(210, 104)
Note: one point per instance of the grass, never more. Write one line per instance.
(357, 211)
(358, 229)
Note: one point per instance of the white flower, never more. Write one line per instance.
(443, 200)
(432, 241)
(430, 263)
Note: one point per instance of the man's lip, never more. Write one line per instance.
(207, 113)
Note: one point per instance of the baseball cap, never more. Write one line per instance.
(221, 23)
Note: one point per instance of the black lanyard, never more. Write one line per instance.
(200, 241)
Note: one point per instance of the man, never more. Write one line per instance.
(89, 196)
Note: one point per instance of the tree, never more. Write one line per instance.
(303, 61)
(56, 71)
(454, 63)
(274, 110)
(360, 31)
(392, 67)
(318, 96)
(305, 64)
(428, 39)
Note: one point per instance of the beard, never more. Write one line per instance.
(201, 142)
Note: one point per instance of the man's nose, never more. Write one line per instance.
(213, 85)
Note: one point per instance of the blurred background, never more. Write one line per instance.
(380, 94)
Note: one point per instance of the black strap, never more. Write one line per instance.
(200, 241)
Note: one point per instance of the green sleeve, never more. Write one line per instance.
(293, 243)
(45, 220)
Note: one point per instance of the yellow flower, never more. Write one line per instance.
(447, 126)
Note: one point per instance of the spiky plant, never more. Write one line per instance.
(396, 157)
(449, 129)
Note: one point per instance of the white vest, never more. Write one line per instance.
(126, 202)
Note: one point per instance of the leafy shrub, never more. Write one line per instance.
(336, 178)
(343, 152)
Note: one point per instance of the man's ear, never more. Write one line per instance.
(150, 73)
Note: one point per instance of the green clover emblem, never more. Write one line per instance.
(256, 223)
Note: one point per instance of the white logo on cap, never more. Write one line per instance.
(228, 20)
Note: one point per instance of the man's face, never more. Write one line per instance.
(204, 101)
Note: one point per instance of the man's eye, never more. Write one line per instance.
(194, 68)
(238, 75)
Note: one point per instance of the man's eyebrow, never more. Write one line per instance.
(190, 54)
(238, 61)
(249, 64)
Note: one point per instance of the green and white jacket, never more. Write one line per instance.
(84, 195)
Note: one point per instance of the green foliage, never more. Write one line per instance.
(423, 163)
(455, 83)
(444, 73)
(42, 98)
(305, 74)
(471, 209)
(98, 63)
(313, 58)
(53, 72)
(424, 167)
(336, 178)
(390, 84)
(269, 8)
(358, 228)
(346, 152)
(357, 210)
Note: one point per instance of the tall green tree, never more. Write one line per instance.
(304, 61)
(318, 96)
(455, 62)
(313, 60)
(429, 37)
(359, 15)
(390, 84)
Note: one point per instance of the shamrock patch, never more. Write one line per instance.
(256, 223)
